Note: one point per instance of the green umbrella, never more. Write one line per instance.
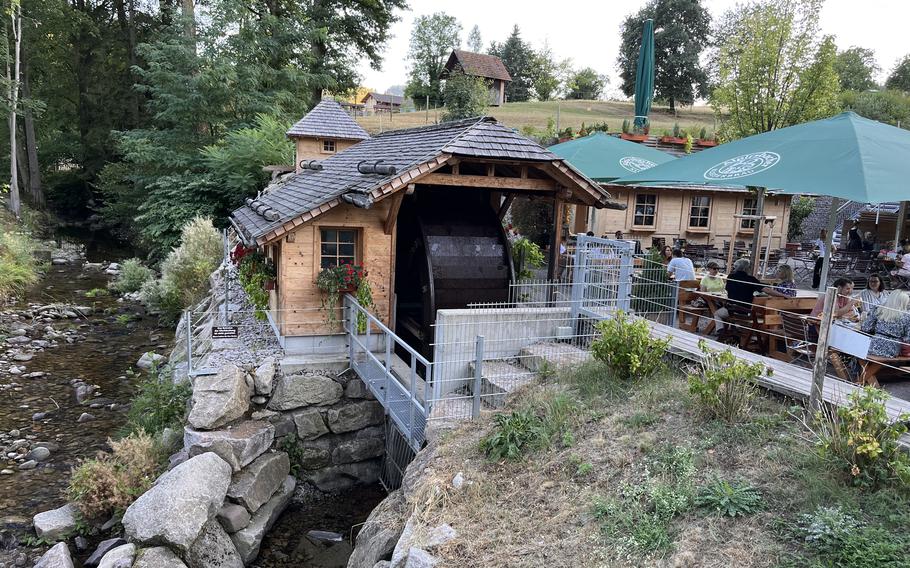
(602, 157)
(845, 156)
(644, 74)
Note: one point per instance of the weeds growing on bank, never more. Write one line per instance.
(159, 403)
(665, 470)
(133, 275)
(18, 265)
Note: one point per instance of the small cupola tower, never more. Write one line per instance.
(324, 131)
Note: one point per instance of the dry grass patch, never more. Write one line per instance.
(625, 485)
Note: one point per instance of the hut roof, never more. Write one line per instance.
(477, 64)
(412, 152)
(388, 99)
(328, 120)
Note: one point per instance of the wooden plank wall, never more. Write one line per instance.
(299, 265)
(673, 217)
(311, 149)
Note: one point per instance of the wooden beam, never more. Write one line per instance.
(491, 170)
(505, 205)
(393, 210)
(491, 182)
(555, 239)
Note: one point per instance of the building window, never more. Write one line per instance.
(750, 207)
(337, 247)
(700, 211)
(328, 146)
(645, 210)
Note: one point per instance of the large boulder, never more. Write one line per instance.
(56, 524)
(103, 548)
(157, 557)
(249, 539)
(264, 376)
(238, 445)
(57, 557)
(220, 398)
(120, 557)
(294, 391)
(174, 510)
(257, 482)
(149, 359)
(355, 416)
(357, 450)
(310, 424)
(378, 536)
(213, 549)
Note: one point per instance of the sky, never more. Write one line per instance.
(587, 31)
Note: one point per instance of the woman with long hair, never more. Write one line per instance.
(889, 325)
(874, 295)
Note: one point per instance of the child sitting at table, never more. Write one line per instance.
(711, 282)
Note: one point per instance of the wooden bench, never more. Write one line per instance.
(874, 364)
(768, 323)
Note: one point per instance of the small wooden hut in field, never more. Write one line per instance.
(419, 209)
(488, 67)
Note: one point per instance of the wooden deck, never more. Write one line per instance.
(785, 378)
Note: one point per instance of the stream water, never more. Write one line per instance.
(110, 347)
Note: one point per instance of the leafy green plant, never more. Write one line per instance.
(723, 384)
(861, 440)
(124, 319)
(843, 541)
(640, 420)
(291, 446)
(526, 254)
(625, 345)
(96, 293)
(159, 403)
(109, 483)
(729, 499)
(687, 147)
(254, 272)
(530, 428)
(625, 126)
(334, 280)
(18, 266)
(133, 274)
(676, 130)
(703, 133)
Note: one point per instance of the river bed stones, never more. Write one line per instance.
(157, 557)
(103, 548)
(174, 511)
(119, 557)
(57, 557)
(249, 539)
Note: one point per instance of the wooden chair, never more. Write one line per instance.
(767, 319)
(796, 334)
(685, 310)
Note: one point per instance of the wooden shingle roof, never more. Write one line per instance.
(413, 152)
(387, 99)
(477, 64)
(328, 120)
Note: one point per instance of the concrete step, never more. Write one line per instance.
(551, 354)
(452, 407)
(499, 378)
(291, 364)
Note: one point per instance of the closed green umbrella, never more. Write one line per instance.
(602, 157)
(845, 156)
(644, 74)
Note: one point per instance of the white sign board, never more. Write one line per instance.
(848, 340)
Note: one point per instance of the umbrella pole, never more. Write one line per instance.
(829, 239)
(756, 233)
(764, 266)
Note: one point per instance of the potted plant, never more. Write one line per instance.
(635, 133)
(677, 137)
(704, 140)
(344, 279)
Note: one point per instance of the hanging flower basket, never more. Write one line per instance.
(344, 279)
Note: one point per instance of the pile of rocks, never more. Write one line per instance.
(32, 330)
(24, 452)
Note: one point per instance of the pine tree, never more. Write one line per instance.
(519, 60)
(475, 41)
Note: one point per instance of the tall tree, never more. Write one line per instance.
(682, 29)
(771, 68)
(856, 69)
(520, 60)
(475, 41)
(545, 74)
(586, 84)
(342, 33)
(900, 76)
(432, 40)
(13, 65)
(465, 96)
(890, 106)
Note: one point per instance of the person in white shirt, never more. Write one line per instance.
(680, 267)
(822, 253)
(904, 270)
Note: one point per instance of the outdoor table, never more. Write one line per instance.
(714, 301)
(767, 321)
(846, 338)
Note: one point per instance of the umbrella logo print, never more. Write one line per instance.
(636, 165)
(743, 166)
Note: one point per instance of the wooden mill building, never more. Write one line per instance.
(421, 209)
(324, 131)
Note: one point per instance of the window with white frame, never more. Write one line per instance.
(645, 210)
(750, 207)
(700, 212)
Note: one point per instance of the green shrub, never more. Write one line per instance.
(291, 446)
(724, 385)
(861, 441)
(96, 293)
(652, 292)
(533, 427)
(186, 270)
(625, 345)
(729, 499)
(840, 540)
(109, 483)
(132, 277)
(159, 403)
(18, 267)
(526, 254)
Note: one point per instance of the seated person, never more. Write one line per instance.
(874, 295)
(845, 307)
(741, 288)
(904, 270)
(889, 325)
(711, 282)
(680, 267)
(786, 288)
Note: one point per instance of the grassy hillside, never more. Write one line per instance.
(571, 113)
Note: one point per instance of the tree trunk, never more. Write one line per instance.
(14, 199)
(125, 20)
(36, 190)
(188, 12)
(673, 105)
